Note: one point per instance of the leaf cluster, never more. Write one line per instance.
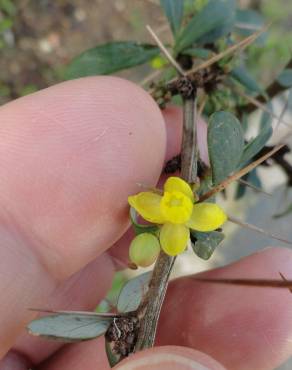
(202, 30)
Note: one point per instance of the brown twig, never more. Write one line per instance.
(239, 174)
(279, 159)
(255, 188)
(149, 309)
(258, 104)
(189, 143)
(240, 46)
(165, 51)
(229, 51)
(262, 283)
(257, 229)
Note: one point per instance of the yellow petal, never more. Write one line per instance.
(178, 184)
(174, 238)
(147, 204)
(206, 217)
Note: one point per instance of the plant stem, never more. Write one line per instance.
(149, 310)
(189, 142)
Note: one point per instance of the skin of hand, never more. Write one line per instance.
(69, 157)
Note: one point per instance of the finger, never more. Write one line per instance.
(87, 355)
(81, 292)
(242, 328)
(91, 355)
(174, 123)
(69, 157)
(170, 357)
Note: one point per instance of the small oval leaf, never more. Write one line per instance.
(255, 145)
(132, 293)
(205, 243)
(225, 144)
(69, 327)
(174, 10)
(243, 76)
(249, 21)
(109, 58)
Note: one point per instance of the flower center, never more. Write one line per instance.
(176, 207)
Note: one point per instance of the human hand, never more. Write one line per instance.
(69, 157)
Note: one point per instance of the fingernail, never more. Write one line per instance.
(176, 358)
(163, 361)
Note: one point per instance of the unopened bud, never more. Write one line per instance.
(144, 249)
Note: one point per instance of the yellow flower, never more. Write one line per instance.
(176, 212)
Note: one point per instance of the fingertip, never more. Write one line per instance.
(174, 357)
(174, 123)
(70, 156)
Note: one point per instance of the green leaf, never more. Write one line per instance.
(243, 76)
(223, 29)
(140, 228)
(70, 327)
(112, 357)
(212, 22)
(285, 78)
(132, 293)
(109, 58)
(206, 243)
(174, 10)
(111, 298)
(5, 24)
(285, 212)
(266, 117)
(225, 144)
(255, 145)
(249, 21)
(8, 7)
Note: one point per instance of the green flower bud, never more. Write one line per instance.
(144, 249)
(158, 62)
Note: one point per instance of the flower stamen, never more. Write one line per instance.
(176, 207)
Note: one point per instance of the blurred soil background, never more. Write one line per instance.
(39, 37)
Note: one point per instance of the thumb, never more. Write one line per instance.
(174, 357)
